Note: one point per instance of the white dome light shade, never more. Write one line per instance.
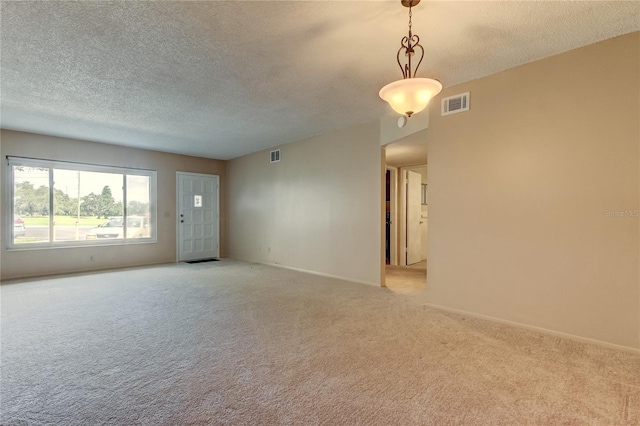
(410, 95)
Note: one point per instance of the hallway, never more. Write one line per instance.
(407, 279)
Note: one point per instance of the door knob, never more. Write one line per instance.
(182, 221)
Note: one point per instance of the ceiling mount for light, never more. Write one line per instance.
(410, 95)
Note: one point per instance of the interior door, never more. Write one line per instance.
(198, 216)
(414, 210)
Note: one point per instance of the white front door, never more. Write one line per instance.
(414, 211)
(198, 216)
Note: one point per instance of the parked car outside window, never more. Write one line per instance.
(137, 227)
(19, 229)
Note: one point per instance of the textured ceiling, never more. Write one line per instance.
(222, 79)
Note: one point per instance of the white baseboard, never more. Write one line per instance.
(322, 274)
(538, 329)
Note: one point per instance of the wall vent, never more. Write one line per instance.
(455, 104)
(275, 156)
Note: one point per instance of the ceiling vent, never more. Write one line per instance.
(455, 104)
(275, 156)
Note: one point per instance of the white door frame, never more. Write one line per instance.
(416, 234)
(217, 222)
(402, 216)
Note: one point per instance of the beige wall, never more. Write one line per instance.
(519, 188)
(53, 261)
(317, 210)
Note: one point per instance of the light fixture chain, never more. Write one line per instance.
(408, 46)
(409, 51)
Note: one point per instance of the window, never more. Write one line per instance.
(57, 204)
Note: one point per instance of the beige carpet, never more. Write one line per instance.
(244, 344)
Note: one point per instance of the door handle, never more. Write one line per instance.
(181, 221)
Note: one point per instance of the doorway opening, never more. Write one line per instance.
(406, 214)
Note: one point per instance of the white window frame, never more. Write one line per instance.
(83, 167)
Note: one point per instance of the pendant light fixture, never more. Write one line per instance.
(410, 95)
